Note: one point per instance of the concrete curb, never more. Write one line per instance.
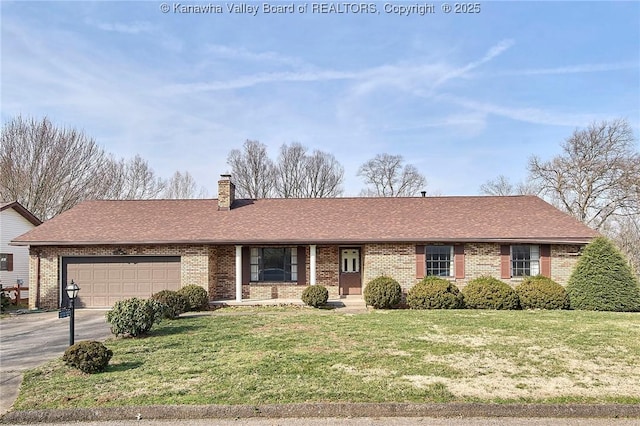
(456, 410)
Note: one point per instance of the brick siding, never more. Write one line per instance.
(213, 267)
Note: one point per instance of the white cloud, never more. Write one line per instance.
(576, 69)
(135, 27)
(528, 115)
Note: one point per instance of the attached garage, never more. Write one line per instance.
(106, 280)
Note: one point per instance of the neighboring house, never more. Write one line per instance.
(274, 248)
(15, 220)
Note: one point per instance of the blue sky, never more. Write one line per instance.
(463, 97)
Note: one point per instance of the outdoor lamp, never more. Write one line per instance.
(72, 291)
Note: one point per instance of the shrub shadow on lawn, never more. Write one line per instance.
(175, 326)
(124, 366)
(333, 305)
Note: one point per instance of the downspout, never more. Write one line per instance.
(37, 305)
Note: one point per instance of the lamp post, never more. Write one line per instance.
(72, 292)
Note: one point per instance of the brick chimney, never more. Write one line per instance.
(226, 192)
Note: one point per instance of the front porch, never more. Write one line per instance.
(351, 303)
(242, 273)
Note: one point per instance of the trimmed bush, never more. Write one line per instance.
(603, 281)
(542, 292)
(382, 293)
(88, 356)
(487, 292)
(435, 293)
(134, 317)
(315, 295)
(173, 302)
(197, 297)
(4, 301)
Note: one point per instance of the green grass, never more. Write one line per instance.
(288, 355)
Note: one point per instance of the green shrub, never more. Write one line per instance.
(197, 297)
(4, 301)
(315, 295)
(435, 293)
(603, 281)
(173, 302)
(88, 356)
(382, 293)
(541, 292)
(487, 292)
(134, 317)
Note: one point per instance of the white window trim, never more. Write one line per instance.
(534, 259)
(452, 263)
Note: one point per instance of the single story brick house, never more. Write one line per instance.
(240, 249)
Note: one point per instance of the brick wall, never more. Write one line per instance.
(563, 260)
(194, 266)
(397, 261)
(223, 277)
(328, 268)
(213, 268)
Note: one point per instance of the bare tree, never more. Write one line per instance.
(134, 179)
(183, 186)
(50, 169)
(625, 232)
(300, 175)
(597, 176)
(324, 176)
(253, 170)
(291, 171)
(502, 186)
(387, 176)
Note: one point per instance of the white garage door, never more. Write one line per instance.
(104, 281)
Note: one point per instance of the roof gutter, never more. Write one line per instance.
(540, 240)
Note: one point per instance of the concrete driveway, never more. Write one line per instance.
(29, 340)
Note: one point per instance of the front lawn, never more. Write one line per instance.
(288, 355)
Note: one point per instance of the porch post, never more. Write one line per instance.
(238, 273)
(312, 264)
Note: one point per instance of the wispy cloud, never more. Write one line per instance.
(492, 53)
(528, 115)
(254, 80)
(240, 53)
(576, 69)
(135, 27)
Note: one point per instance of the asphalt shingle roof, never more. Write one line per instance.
(308, 221)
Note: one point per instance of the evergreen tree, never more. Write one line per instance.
(603, 281)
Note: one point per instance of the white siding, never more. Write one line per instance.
(12, 225)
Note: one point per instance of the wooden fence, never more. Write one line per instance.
(15, 293)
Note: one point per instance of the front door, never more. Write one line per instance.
(350, 277)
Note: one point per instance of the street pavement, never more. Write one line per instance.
(31, 339)
(370, 421)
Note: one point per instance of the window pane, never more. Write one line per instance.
(521, 260)
(274, 264)
(439, 260)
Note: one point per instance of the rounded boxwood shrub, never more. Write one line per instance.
(382, 293)
(197, 297)
(174, 303)
(88, 356)
(315, 295)
(487, 292)
(542, 292)
(134, 317)
(603, 281)
(435, 293)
